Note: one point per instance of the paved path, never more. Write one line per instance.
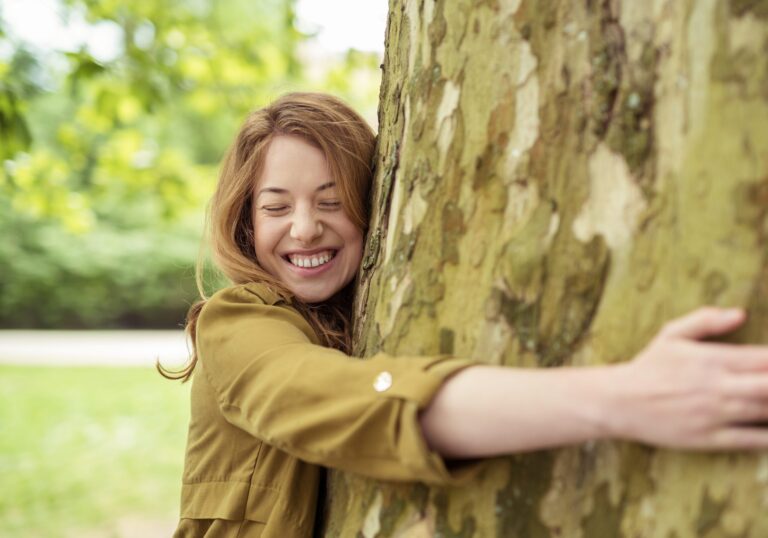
(94, 348)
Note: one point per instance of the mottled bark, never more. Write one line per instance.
(554, 180)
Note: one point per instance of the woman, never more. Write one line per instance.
(276, 397)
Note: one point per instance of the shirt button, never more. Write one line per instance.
(383, 382)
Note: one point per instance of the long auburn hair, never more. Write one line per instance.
(347, 143)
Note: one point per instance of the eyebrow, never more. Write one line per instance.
(322, 187)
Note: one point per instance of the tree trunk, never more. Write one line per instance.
(555, 179)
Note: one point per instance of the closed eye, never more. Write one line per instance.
(330, 204)
(274, 208)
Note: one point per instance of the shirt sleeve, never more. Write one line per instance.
(274, 381)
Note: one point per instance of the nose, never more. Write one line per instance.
(305, 226)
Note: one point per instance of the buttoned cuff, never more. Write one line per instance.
(416, 380)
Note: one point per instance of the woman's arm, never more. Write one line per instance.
(261, 371)
(678, 392)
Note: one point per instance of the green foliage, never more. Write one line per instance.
(109, 161)
(88, 445)
(16, 86)
(105, 278)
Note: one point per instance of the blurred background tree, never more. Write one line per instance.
(110, 152)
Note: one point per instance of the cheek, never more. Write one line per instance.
(355, 244)
(265, 238)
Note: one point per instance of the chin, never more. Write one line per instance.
(312, 297)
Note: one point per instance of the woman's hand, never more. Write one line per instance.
(684, 393)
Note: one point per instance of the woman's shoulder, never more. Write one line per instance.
(250, 303)
(251, 292)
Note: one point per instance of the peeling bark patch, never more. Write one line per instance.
(702, 16)
(630, 132)
(413, 212)
(608, 57)
(522, 317)
(605, 519)
(445, 124)
(528, 63)
(615, 203)
(372, 250)
(747, 34)
(526, 123)
(447, 337)
(390, 513)
(522, 200)
(453, 229)
(752, 201)
(389, 201)
(509, 7)
(514, 123)
(485, 166)
(398, 292)
(635, 472)
(394, 214)
(419, 497)
(759, 8)
(438, 27)
(443, 527)
(710, 513)
(492, 343)
(754, 330)
(501, 119)
(517, 504)
(413, 33)
(554, 226)
(715, 283)
(448, 105)
(569, 308)
(371, 525)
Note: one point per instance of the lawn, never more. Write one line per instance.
(84, 447)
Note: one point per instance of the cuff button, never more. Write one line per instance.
(383, 382)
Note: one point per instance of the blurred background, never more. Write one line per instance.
(113, 118)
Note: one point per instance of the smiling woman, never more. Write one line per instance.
(336, 145)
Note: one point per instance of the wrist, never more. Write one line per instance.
(589, 398)
(611, 415)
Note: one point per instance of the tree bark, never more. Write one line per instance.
(554, 180)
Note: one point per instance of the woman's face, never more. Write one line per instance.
(302, 234)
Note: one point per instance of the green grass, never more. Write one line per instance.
(81, 447)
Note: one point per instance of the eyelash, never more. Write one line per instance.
(280, 209)
(275, 209)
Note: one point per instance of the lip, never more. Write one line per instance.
(312, 271)
(309, 252)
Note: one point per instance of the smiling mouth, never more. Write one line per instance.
(308, 262)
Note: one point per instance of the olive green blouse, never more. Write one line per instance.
(270, 406)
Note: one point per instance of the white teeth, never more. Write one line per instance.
(311, 261)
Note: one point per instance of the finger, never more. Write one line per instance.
(742, 437)
(703, 322)
(746, 410)
(745, 386)
(735, 357)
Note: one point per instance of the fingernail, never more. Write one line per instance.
(733, 313)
